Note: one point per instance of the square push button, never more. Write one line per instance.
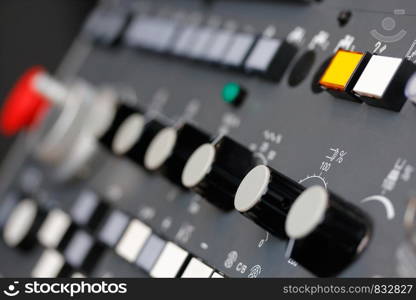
(197, 269)
(82, 251)
(105, 26)
(150, 252)
(170, 262)
(383, 82)
(150, 33)
(239, 49)
(88, 209)
(51, 264)
(270, 58)
(133, 240)
(186, 40)
(202, 42)
(113, 228)
(221, 41)
(343, 72)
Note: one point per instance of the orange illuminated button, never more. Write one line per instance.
(340, 70)
(24, 105)
(343, 72)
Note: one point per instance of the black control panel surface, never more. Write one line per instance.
(362, 153)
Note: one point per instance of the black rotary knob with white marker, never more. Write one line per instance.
(265, 196)
(146, 142)
(214, 171)
(125, 130)
(160, 148)
(171, 148)
(139, 149)
(328, 233)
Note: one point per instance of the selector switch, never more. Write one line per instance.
(215, 170)
(265, 197)
(328, 232)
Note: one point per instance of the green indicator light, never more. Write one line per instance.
(232, 93)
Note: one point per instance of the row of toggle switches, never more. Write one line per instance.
(328, 233)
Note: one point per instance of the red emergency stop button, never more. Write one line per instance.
(24, 106)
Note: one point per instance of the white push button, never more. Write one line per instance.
(185, 41)
(239, 49)
(197, 269)
(217, 275)
(49, 265)
(133, 240)
(202, 42)
(54, 228)
(220, 44)
(170, 262)
(262, 55)
(150, 33)
(20, 222)
(377, 76)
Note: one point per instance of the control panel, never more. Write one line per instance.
(217, 139)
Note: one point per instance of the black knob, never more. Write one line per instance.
(215, 170)
(171, 148)
(125, 129)
(329, 233)
(265, 196)
(137, 152)
(22, 225)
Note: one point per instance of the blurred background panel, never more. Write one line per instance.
(35, 32)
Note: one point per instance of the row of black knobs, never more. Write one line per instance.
(328, 232)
